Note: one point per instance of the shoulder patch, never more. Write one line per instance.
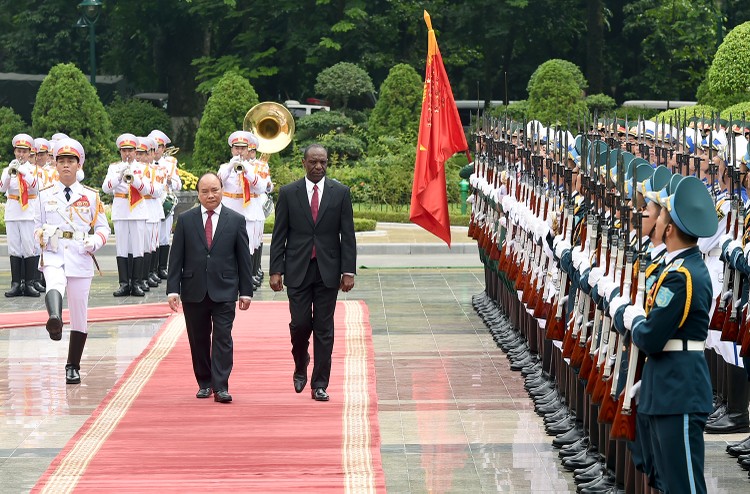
(663, 297)
(676, 265)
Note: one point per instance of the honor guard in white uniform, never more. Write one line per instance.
(172, 184)
(20, 185)
(70, 227)
(245, 179)
(144, 154)
(125, 181)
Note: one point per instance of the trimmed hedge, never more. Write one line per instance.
(686, 112)
(360, 225)
(11, 124)
(403, 217)
(730, 70)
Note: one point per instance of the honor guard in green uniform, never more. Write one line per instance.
(675, 391)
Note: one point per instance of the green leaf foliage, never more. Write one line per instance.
(556, 91)
(600, 103)
(66, 102)
(343, 81)
(138, 117)
(311, 127)
(342, 147)
(225, 111)
(729, 73)
(633, 113)
(686, 112)
(515, 111)
(738, 111)
(11, 124)
(399, 105)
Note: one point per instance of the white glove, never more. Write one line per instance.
(577, 257)
(726, 296)
(595, 275)
(630, 313)
(48, 231)
(89, 243)
(504, 222)
(724, 239)
(561, 247)
(616, 303)
(556, 240)
(584, 265)
(609, 287)
(635, 392)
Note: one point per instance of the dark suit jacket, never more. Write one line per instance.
(294, 234)
(223, 271)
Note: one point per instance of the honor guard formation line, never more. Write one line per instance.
(55, 224)
(616, 271)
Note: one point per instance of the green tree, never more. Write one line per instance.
(11, 124)
(555, 92)
(728, 78)
(138, 117)
(225, 110)
(738, 111)
(342, 82)
(67, 102)
(685, 113)
(670, 64)
(600, 103)
(310, 127)
(397, 111)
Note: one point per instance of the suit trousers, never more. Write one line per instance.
(679, 452)
(209, 328)
(312, 306)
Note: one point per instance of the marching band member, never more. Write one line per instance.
(172, 183)
(67, 213)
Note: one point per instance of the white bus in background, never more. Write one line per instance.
(658, 104)
(300, 110)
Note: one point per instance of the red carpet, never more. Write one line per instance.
(96, 314)
(152, 434)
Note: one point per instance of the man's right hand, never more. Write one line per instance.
(276, 282)
(174, 302)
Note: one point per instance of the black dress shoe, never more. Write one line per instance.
(581, 460)
(300, 377)
(222, 397)
(203, 393)
(744, 462)
(72, 376)
(569, 437)
(729, 423)
(739, 448)
(319, 394)
(586, 475)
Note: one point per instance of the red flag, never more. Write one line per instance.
(440, 136)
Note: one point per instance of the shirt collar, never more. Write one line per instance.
(671, 256)
(217, 211)
(309, 184)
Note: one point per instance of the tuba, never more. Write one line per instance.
(273, 125)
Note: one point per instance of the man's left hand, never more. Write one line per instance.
(174, 302)
(347, 282)
(245, 303)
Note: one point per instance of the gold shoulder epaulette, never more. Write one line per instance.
(90, 188)
(47, 187)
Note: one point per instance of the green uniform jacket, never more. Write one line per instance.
(676, 382)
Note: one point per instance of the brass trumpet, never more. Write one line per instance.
(127, 174)
(171, 151)
(13, 168)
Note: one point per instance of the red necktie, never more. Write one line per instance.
(314, 208)
(209, 228)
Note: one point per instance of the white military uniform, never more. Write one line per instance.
(19, 208)
(67, 264)
(242, 193)
(129, 208)
(172, 183)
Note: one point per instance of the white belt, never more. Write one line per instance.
(715, 252)
(684, 345)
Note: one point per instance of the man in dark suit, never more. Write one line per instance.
(313, 253)
(209, 265)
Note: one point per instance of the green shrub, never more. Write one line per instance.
(11, 124)
(225, 110)
(343, 81)
(685, 113)
(738, 111)
(342, 147)
(515, 111)
(600, 103)
(403, 217)
(399, 105)
(556, 91)
(311, 127)
(388, 144)
(360, 225)
(138, 117)
(67, 102)
(633, 113)
(729, 73)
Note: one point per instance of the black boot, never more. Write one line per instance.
(142, 274)
(75, 350)
(163, 261)
(16, 276)
(31, 268)
(255, 259)
(122, 274)
(53, 302)
(38, 283)
(736, 418)
(135, 270)
(153, 277)
(259, 272)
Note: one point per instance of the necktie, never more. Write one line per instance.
(314, 203)
(209, 229)
(67, 193)
(314, 208)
